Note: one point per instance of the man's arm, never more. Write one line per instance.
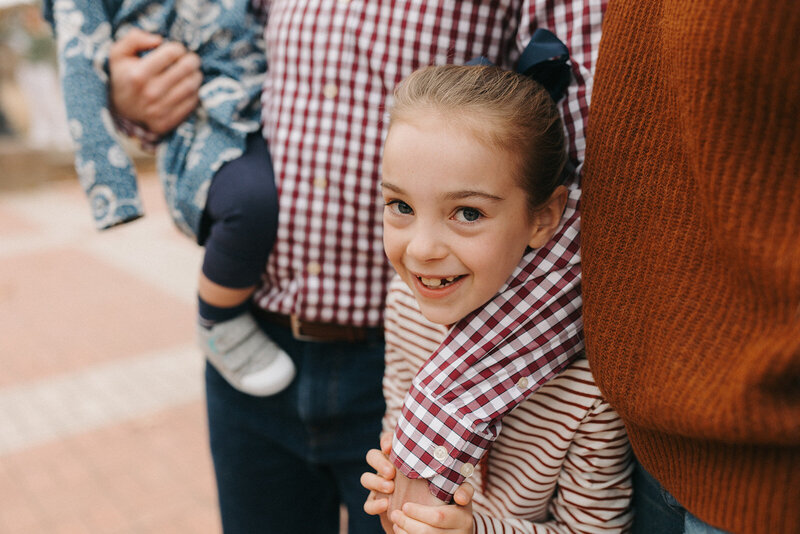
(157, 90)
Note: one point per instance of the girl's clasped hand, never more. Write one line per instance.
(412, 518)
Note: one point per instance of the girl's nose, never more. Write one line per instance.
(426, 244)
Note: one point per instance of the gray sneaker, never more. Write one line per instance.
(249, 360)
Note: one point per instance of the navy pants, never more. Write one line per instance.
(285, 463)
(240, 219)
(658, 512)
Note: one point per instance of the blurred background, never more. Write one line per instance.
(102, 422)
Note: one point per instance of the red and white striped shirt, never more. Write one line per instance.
(562, 462)
(332, 68)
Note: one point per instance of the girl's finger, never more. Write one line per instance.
(375, 504)
(398, 519)
(386, 442)
(380, 463)
(404, 524)
(464, 493)
(443, 517)
(374, 482)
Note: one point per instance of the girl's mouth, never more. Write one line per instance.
(436, 283)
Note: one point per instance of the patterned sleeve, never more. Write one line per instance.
(106, 173)
(454, 407)
(594, 487)
(148, 140)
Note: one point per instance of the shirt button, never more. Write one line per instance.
(467, 470)
(522, 383)
(314, 268)
(330, 90)
(440, 453)
(320, 182)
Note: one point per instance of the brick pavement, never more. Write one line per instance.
(102, 425)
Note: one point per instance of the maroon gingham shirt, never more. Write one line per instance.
(332, 68)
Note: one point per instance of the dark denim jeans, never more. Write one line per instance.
(658, 512)
(285, 463)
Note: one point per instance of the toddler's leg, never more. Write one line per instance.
(241, 219)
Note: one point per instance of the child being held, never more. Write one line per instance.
(471, 180)
(215, 167)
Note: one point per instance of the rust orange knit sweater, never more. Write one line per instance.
(691, 250)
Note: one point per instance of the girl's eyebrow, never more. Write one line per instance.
(390, 186)
(460, 195)
(454, 195)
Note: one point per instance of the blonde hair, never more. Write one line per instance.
(503, 109)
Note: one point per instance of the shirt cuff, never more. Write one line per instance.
(436, 446)
(148, 141)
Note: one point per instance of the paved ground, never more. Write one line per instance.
(102, 427)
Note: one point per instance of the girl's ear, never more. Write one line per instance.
(547, 218)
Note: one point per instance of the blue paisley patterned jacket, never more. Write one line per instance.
(227, 37)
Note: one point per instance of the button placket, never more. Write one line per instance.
(330, 91)
(313, 268)
(467, 470)
(320, 182)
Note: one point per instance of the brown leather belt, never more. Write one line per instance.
(320, 332)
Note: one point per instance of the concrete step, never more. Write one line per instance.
(22, 166)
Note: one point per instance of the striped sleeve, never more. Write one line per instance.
(594, 489)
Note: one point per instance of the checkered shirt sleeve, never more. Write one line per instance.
(491, 361)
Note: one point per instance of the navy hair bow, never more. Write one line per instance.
(545, 59)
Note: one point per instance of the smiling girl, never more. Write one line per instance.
(472, 183)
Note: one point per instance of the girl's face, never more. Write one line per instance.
(456, 223)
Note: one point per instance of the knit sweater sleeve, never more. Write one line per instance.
(691, 218)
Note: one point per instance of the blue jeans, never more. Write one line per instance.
(658, 512)
(285, 463)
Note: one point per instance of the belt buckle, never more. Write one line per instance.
(297, 325)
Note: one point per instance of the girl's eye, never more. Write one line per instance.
(468, 214)
(398, 206)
